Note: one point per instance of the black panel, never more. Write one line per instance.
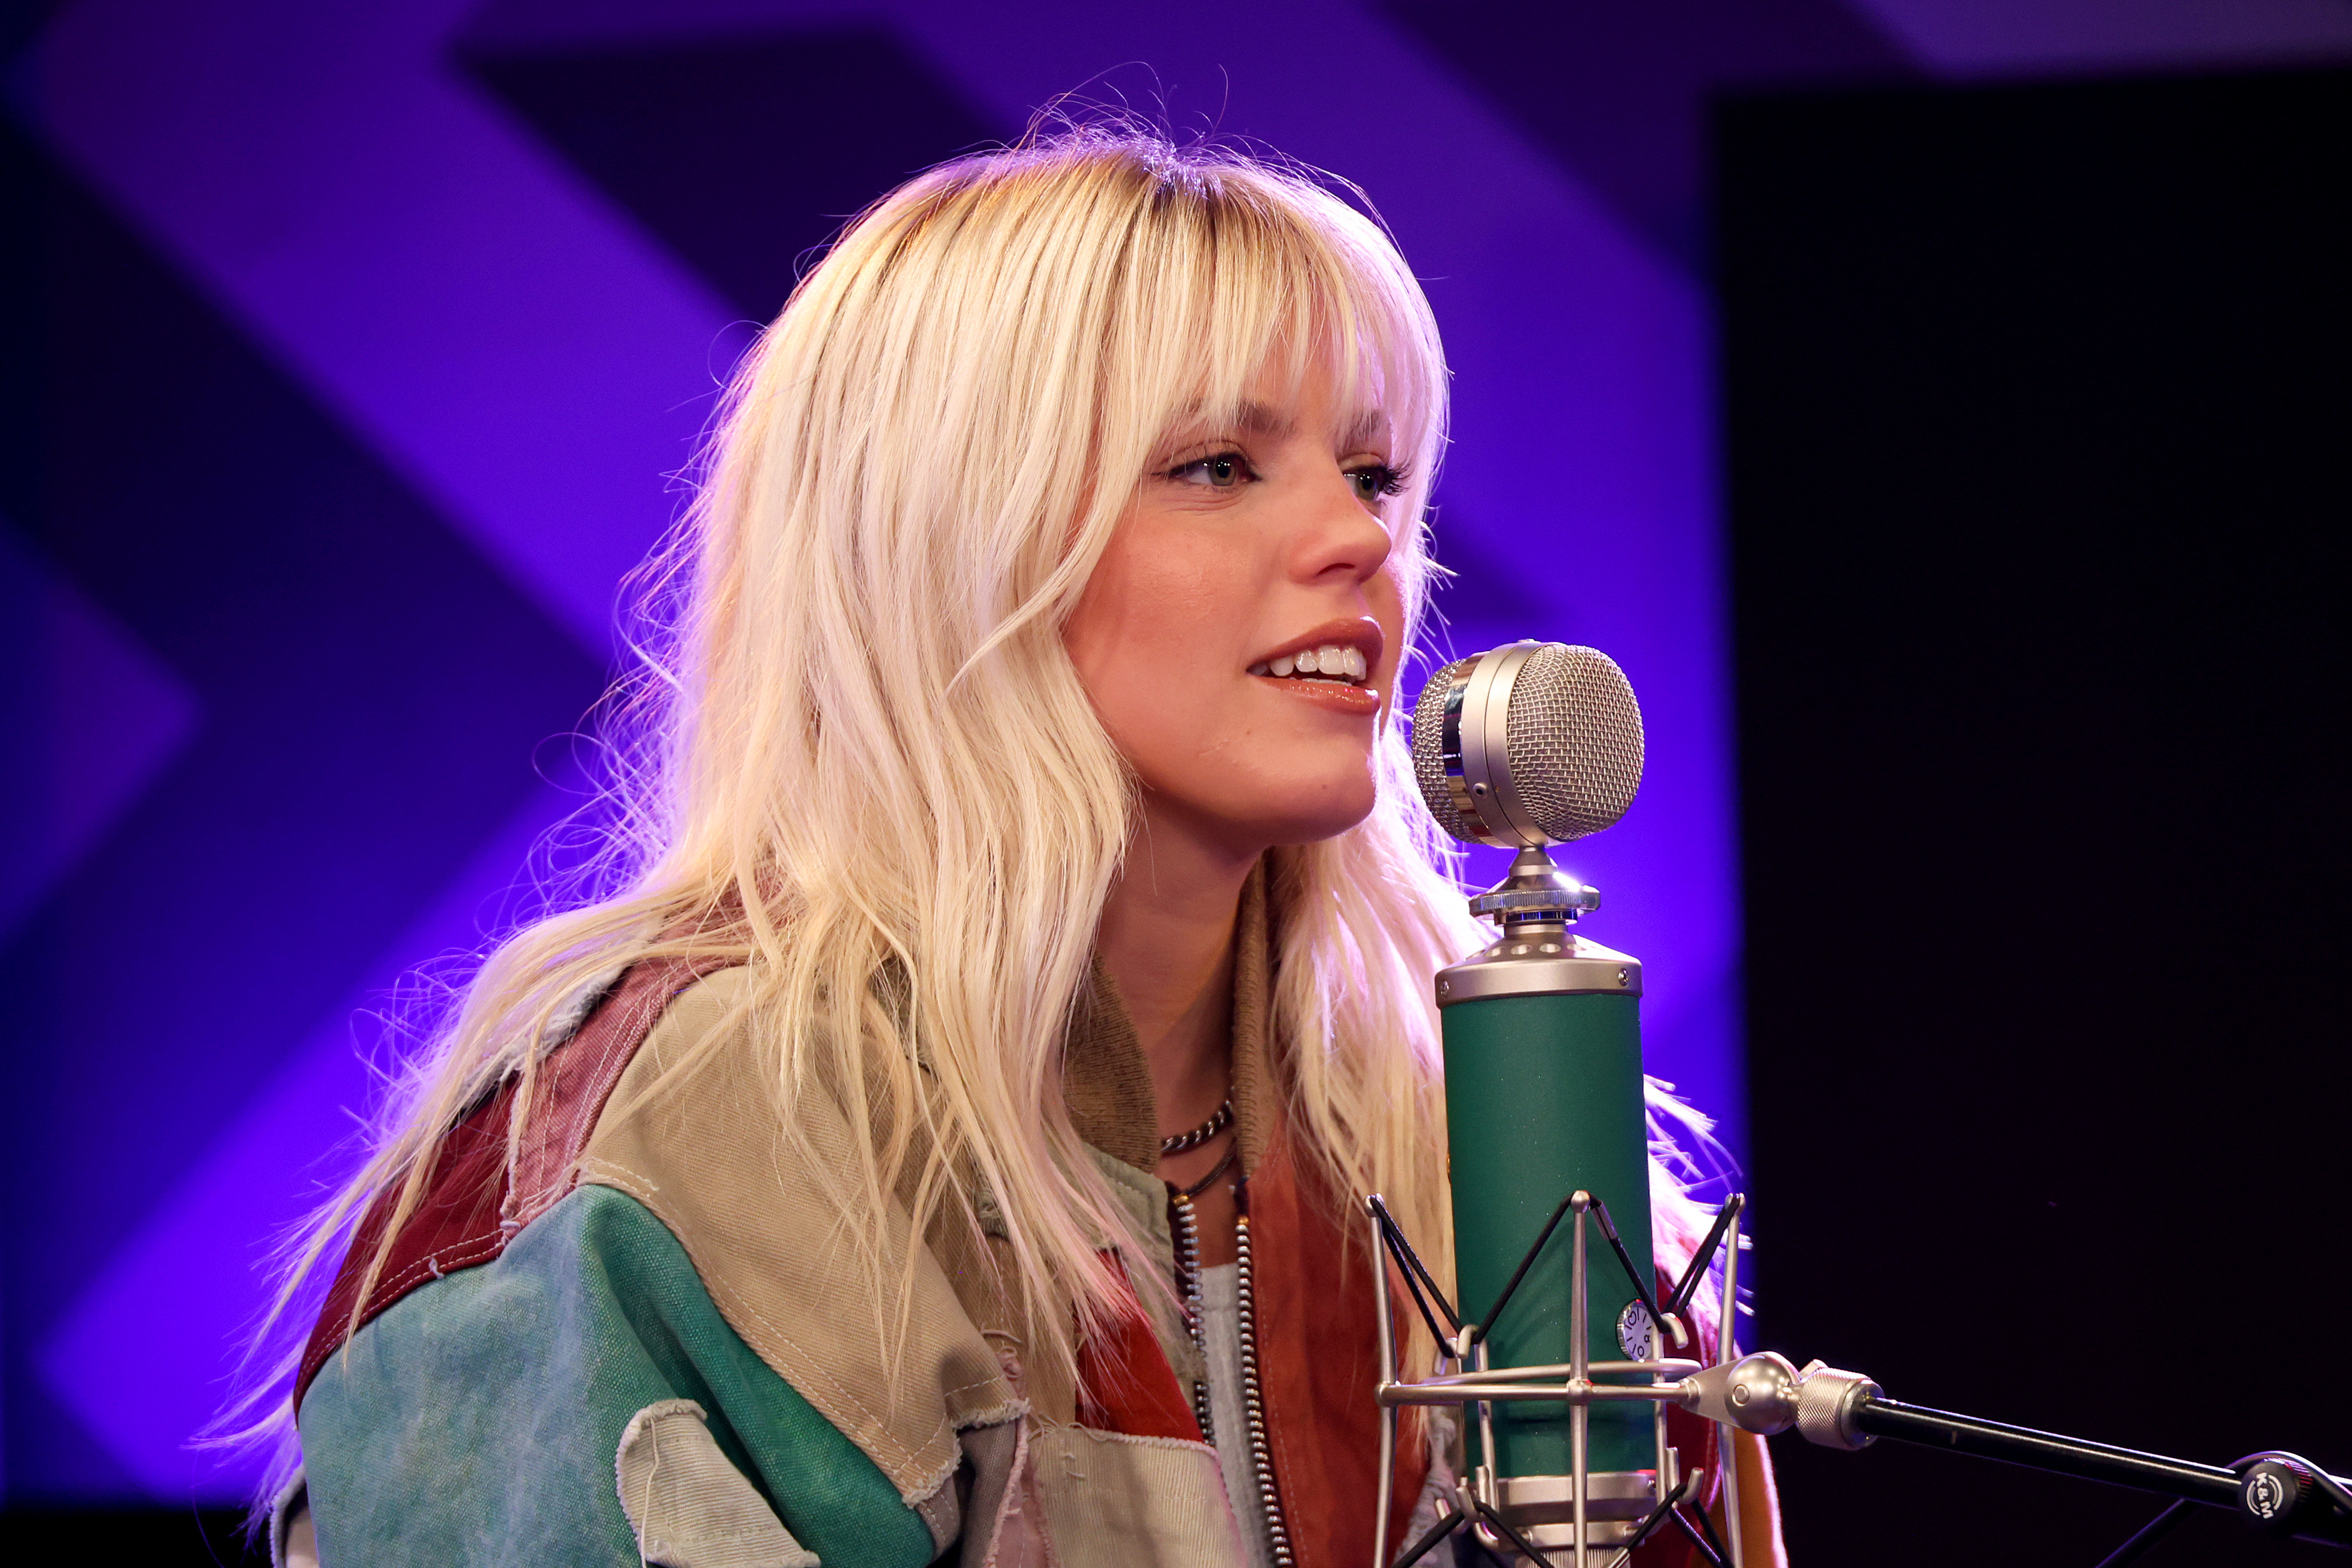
(743, 154)
(156, 1537)
(2039, 479)
(1617, 93)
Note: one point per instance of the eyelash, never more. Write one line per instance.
(1241, 465)
(1391, 480)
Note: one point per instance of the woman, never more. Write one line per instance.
(945, 1143)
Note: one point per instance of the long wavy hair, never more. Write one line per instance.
(855, 756)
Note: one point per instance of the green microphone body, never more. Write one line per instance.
(1543, 1099)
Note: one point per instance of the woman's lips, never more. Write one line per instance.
(1333, 696)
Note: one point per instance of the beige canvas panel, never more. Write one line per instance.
(1145, 1200)
(709, 1157)
(690, 1506)
(976, 1269)
(1115, 1501)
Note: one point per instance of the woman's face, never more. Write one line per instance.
(1252, 554)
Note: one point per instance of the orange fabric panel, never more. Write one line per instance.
(1317, 1360)
(1126, 1385)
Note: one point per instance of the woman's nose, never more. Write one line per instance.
(1340, 537)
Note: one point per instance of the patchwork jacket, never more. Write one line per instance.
(645, 1347)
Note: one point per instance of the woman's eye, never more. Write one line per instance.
(1374, 482)
(1224, 471)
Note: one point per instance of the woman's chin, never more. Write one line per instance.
(1331, 815)
(1277, 794)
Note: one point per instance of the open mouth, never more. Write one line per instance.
(1328, 661)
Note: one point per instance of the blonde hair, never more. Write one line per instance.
(870, 772)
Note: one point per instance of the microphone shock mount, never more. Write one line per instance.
(1590, 1519)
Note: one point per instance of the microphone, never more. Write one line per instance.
(1533, 743)
(1526, 746)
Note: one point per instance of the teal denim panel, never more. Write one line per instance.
(476, 1420)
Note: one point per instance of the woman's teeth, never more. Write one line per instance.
(1330, 661)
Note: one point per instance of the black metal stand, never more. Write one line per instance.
(2281, 1493)
(2047, 1451)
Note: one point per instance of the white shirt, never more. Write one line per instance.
(1221, 1340)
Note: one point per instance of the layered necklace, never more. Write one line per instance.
(1185, 1142)
(1184, 1229)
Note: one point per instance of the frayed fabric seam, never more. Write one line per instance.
(295, 1494)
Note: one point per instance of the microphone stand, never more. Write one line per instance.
(1763, 1393)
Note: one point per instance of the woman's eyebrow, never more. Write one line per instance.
(1369, 424)
(1263, 419)
(1260, 420)
(1249, 418)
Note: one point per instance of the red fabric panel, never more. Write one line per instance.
(1319, 1343)
(1694, 1440)
(571, 1093)
(461, 1220)
(1126, 1385)
(454, 1225)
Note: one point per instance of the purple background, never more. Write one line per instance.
(358, 346)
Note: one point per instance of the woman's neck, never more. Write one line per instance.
(1166, 938)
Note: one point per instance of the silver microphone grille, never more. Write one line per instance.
(1428, 751)
(1531, 743)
